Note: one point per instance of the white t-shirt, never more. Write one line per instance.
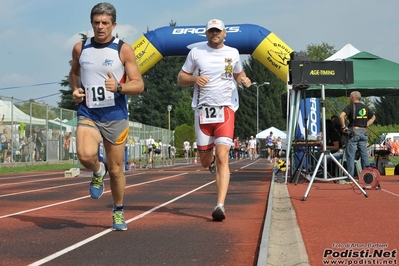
(218, 65)
(186, 145)
(252, 143)
(3, 138)
(149, 143)
(279, 145)
(72, 145)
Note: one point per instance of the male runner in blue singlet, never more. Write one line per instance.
(103, 72)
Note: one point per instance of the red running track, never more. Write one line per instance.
(340, 225)
(48, 219)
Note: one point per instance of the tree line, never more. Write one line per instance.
(161, 90)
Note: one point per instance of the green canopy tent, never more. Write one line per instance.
(373, 76)
(73, 122)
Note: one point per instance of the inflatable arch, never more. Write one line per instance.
(263, 44)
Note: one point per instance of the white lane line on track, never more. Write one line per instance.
(47, 179)
(389, 192)
(31, 181)
(88, 240)
(47, 188)
(249, 164)
(29, 175)
(40, 189)
(80, 198)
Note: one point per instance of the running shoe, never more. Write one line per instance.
(218, 213)
(97, 185)
(212, 167)
(119, 219)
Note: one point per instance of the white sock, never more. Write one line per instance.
(101, 171)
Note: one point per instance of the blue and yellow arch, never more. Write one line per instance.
(251, 39)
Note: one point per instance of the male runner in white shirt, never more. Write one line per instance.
(214, 69)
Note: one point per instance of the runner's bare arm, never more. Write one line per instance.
(187, 79)
(134, 84)
(74, 74)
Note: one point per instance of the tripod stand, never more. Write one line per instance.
(325, 153)
(307, 156)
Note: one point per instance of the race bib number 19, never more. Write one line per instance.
(97, 97)
(209, 115)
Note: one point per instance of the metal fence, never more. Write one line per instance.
(23, 119)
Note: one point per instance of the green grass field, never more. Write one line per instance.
(32, 167)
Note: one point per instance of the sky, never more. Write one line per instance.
(37, 36)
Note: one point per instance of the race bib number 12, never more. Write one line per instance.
(209, 115)
(97, 97)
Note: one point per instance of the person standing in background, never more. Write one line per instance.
(5, 144)
(270, 141)
(195, 149)
(150, 144)
(160, 147)
(237, 148)
(186, 147)
(279, 145)
(252, 148)
(360, 116)
(39, 141)
(67, 144)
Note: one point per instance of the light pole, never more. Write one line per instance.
(257, 102)
(169, 109)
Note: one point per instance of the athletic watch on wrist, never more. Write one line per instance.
(119, 88)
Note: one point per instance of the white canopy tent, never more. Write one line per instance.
(347, 51)
(276, 133)
(13, 115)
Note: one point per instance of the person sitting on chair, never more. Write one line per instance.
(333, 143)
